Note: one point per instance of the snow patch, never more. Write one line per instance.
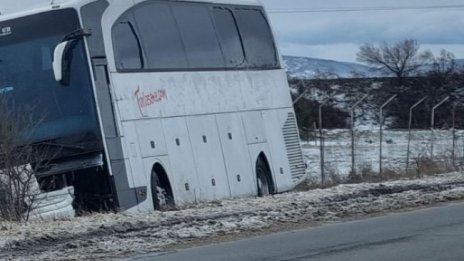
(128, 234)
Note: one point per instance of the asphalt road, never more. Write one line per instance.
(430, 234)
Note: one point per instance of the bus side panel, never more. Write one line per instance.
(197, 93)
(184, 176)
(148, 164)
(151, 138)
(236, 156)
(262, 90)
(255, 150)
(212, 177)
(132, 152)
(273, 124)
(254, 127)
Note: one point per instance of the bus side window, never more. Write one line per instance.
(198, 35)
(160, 37)
(227, 31)
(257, 38)
(127, 49)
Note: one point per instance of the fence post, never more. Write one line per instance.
(409, 130)
(315, 133)
(432, 124)
(321, 144)
(302, 94)
(455, 106)
(381, 130)
(453, 130)
(353, 161)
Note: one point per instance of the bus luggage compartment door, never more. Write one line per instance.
(236, 155)
(184, 178)
(209, 161)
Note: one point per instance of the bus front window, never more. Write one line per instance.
(28, 86)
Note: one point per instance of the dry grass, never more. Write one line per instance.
(423, 166)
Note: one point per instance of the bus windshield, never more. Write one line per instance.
(27, 85)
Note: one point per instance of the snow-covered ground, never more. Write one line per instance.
(308, 68)
(395, 142)
(105, 236)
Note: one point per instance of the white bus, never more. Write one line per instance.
(153, 103)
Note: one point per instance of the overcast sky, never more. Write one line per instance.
(311, 28)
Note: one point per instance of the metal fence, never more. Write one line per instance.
(374, 150)
(337, 153)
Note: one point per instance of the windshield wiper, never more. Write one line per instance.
(60, 145)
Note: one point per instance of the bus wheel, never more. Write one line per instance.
(161, 192)
(262, 178)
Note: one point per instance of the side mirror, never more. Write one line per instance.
(58, 61)
(61, 61)
(62, 56)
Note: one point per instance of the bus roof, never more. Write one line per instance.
(33, 6)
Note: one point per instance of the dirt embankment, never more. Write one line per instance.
(105, 236)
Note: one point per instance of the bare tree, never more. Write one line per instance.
(18, 164)
(401, 59)
(444, 66)
(444, 79)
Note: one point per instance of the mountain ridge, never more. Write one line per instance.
(308, 68)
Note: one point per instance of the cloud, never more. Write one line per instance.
(339, 52)
(334, 33)
(347, 51)
(331, 28)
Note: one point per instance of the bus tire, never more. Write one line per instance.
(263, 175)
(163, 199)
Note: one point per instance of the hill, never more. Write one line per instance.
(307, 68)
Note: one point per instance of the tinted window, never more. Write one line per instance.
(199, 36)
(165, 35)
(126, 46)
(160, 37)
(40, 107)
(257, 38)
(229, 37)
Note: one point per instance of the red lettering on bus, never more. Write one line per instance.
(147, 100)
